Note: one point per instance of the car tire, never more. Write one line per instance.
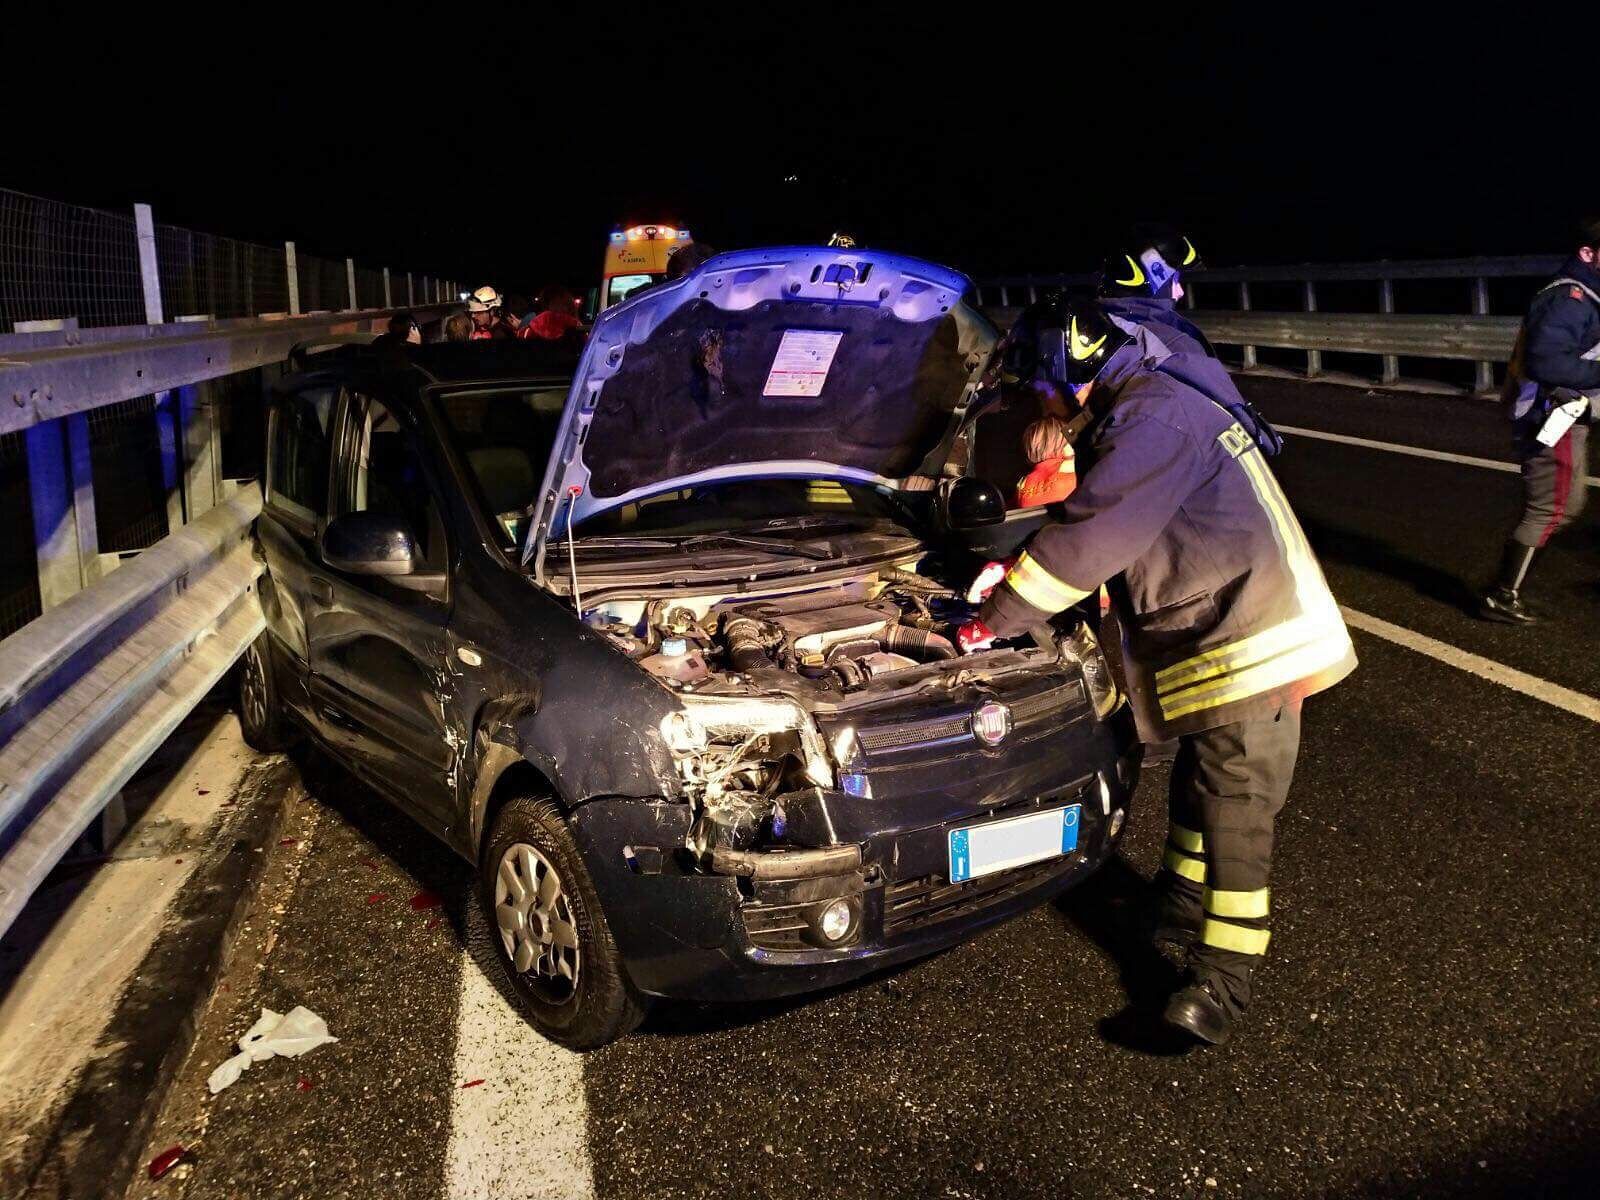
(261, 718)
(579, 995)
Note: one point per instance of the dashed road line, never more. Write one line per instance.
(1554, 694)
(1492, 464)
(520, 1134)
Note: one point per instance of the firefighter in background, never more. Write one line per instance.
(1228, 625)
(1552, 388)
(485, 307)
(1142, 283)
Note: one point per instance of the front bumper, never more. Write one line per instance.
(710, 937)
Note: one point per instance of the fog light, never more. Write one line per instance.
(1118, 816)
(834, 922)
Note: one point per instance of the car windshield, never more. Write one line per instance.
(504, 436)
(781, 508)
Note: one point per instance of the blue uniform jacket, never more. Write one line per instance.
(1563, 324)
(1225, 611)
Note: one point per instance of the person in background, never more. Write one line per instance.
(1054, 473)
(686, 258)
(458, 328)
(557, 317)
(403, 330)
(485, 308)
(1551, 390)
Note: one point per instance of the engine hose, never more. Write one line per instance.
(854, 648)
(748, 640)
(910, 579)
(921, 644)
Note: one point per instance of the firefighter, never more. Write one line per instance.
(1142, 283)
(1551, 390)
(1228, 625)
(485, 308)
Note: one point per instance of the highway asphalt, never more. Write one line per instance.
(1427, 1023)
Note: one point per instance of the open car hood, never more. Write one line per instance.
(790, 362)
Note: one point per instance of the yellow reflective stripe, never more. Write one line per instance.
(1237, 938)
(1236, 904)
(1138, 274)
(1191, 255)
(1243, 653)
(1186, 839)
(1040, 588)
(1301, 664)
(826, 491)
(1181, 864)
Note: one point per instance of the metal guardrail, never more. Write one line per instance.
(90, 689)
(1476, 336)
(48, 375)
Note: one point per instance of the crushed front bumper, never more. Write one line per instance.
(751, 933)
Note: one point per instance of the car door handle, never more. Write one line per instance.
(321, 590)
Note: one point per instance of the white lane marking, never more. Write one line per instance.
(522, 1133)
(1492, 464)
(1529, 685)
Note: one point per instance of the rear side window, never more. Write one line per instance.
(297, 452)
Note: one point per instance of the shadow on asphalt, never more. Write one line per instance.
(1358, 550)
(1110, 909)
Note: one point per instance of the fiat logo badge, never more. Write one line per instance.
(991, 723)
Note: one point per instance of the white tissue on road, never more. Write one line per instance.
(290, 1034)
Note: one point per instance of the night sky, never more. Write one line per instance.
(504, 141)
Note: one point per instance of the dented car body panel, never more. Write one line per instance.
(761, 736)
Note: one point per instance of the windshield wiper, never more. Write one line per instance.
(702, 539)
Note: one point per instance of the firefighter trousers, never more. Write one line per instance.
(1228, 785)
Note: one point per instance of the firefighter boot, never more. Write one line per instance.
(1503, 601)
(1200, 1011)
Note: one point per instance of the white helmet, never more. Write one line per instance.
(485, 299)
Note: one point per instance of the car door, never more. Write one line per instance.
(380, 673)
(295, 495)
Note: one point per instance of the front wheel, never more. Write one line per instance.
(550, 933)
(261, 718)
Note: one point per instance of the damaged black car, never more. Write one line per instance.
(662, 640)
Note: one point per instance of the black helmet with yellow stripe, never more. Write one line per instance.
(1062, 340)
(1149, 264)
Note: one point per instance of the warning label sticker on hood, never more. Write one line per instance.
(800, 367)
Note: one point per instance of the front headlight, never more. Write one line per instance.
(736, 728)
(1083, 646)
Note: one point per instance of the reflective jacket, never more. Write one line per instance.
(1225, 611)
(1050, 482)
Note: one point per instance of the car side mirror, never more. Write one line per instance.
(367, 543)
(968, 503)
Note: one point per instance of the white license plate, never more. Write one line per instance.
(979, 850)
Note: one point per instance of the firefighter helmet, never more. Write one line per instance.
(1150, 262)
(485, 299)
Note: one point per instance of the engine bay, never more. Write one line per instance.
(840, 637)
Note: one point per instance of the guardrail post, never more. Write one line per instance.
(1188, 296)
(1308, 292)
(294, 279)
(1033, 294)
(1391, 363)
(1483, 375)
(1244, 306)
(144, 224)
(411, 291)
(350, 279)
(61, 490)
(388, 297)
(1005, 298)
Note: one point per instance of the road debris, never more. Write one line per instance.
(288, 1034)
(166, 1160)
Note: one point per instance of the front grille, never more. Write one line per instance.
(918, 733)
(777, 926)
(930, 900)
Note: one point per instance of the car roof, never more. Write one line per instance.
(468, 362)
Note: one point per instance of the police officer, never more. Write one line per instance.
(1228, 625)
(1552, 389)
(1142, 283)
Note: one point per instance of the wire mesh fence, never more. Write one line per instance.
(65, 261)
(130, 492)
(202, 273)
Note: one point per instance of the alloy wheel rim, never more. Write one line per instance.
(255, 690)
(534, 914)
